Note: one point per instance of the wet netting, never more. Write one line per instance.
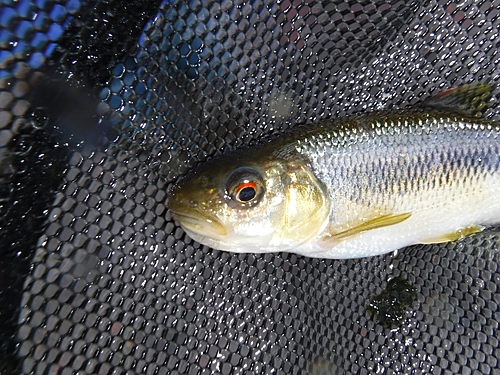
(103, 104)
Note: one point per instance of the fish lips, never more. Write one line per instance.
(196, 221)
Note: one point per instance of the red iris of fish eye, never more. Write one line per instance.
(245, 185)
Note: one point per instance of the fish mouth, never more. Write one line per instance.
(199, 222)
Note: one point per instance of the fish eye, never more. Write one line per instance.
(245, 186)
(246, 191)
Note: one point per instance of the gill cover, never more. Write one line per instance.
(307, 205)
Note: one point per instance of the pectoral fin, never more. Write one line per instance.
(455, 236)
(330, 239)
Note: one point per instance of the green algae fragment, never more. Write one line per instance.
(389, 307)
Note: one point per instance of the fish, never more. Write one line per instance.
(359, 186)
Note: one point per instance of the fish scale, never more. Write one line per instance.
(354, 187)
(334, 164)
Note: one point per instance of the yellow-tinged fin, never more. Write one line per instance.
(470, 100)
(457, 235)
(331, 239)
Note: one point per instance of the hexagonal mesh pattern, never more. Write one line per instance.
(96, 278)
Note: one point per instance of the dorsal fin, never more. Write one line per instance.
(470, 100)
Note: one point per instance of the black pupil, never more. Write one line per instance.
(246, 194)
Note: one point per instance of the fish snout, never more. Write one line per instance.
(192, 215)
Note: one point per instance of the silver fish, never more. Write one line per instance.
(355, 187)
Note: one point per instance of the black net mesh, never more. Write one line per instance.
(104, 103)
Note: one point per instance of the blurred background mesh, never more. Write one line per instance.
(104, 103)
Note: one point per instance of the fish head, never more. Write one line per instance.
(250, 202)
